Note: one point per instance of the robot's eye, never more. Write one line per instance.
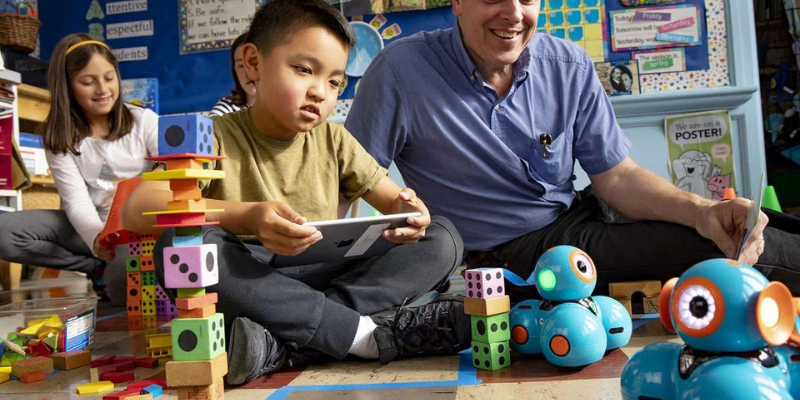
(697, 307)
(688, 161)
(583, 266)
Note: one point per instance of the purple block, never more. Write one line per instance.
(135, 249)
(161, 294)
(484, 283)
(165, 307)
(190, 266)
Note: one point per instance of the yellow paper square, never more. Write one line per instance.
(593, 31)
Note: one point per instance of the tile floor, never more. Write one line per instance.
(439, 378)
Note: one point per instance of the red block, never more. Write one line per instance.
(147, 382)
(42, 350)
(190, 303)
(31, 377)
(121, 395)
(181, 219)
(62, 338)
(104, 360)
(126, 365)
(146, 362)
(118, 377)
(119, 359)
(107, 368)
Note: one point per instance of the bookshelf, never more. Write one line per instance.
(12, 199)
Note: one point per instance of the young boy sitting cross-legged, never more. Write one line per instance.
(285, 165)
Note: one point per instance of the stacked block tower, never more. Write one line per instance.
(145, 295)
(488, 307)
(185, 145)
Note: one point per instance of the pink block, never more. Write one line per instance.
(484, 283)
(191, 266)
(135, 249)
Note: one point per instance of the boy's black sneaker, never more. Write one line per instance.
(253, 352)
(438, 328)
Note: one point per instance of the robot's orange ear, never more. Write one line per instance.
(663, 304)
(775, 313)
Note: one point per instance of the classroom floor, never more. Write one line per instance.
(439, 378)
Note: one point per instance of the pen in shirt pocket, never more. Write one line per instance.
(545, 139)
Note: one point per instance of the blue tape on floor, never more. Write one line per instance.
(644, 319)
(105, 317)
(466, 377)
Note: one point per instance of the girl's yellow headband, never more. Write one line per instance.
(79, 44)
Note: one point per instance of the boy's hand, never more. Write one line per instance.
(104, 248)
(280, 229)
(407, 201)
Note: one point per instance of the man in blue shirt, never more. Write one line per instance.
(485, 121)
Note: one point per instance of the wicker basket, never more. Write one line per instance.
(38, 197)
(19, 32)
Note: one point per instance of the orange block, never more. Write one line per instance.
(200, 312)
(146, 263)
(191, 205)
(189, 194)
(190, 303)
(184, 163)
(183, 184)
(32, 377)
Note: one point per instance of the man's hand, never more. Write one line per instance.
(724, 223)
(104, 248)
(407, 201)
(280, 229)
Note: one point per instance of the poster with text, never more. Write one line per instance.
(701, 158)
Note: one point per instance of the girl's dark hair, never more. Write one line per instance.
(238, 95)
(66, 124)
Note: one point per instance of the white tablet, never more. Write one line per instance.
(347, 239)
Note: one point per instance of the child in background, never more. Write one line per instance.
(244, 90)
(285, 165)
(92, 140)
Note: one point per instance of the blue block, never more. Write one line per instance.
(185, 134)
(153, 390)
(180, 241)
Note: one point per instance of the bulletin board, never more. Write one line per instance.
(582, 22)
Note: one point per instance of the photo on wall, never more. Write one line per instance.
(619, 78)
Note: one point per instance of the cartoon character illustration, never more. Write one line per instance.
(693, 169)
(735, 325)
(717, 185)
(570, 327)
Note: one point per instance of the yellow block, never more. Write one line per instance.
(160, 340)
(183, 174)
(493, 306)
(5, 370)
(183, 211)
(32, 329)
(4, 377)
(95, 387)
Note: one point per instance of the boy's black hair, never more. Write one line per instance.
(276, 21)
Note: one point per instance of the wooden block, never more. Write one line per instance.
(624, 290)
(188, 194)
(4, 377)
(125, 394)
(32, 377)
(42, 350)
(95, 387)
(210, 392)
(651, 305)
(71, 359)
(146, 362)
(196, 373)
(160, 340)
(191, 205)
(146, 396)
(183, 184)
(125, 365)
(183, 163)
(190, 303)
(31, 365)
(201, 312)
(106, 368)
(118, 377)
(486, 307)
(94, 375)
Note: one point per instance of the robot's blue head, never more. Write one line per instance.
(724, 305)
(565, 273)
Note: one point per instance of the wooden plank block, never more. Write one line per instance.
(146, 396)
(624, 290)
(146, 362)
(95, 387)
(118, 377)
(94, 375)
(31, 365)
(32, 377)
(125, 394)
(486, 307)
(196, 373)
(104, 360)
(200, 312)
(214, 391)
(71, 359)
(190, 303)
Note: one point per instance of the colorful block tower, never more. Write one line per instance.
(488, 305)
(185, 145)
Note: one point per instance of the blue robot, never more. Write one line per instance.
(730, 317)
(570, 327)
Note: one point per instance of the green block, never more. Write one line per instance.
(770, 200)
(490, 356)
(491, 329)
(189, 231)
(196, 339)
(9, 357)
(148, 278)
(192, 292)
(132, 264)
(52, 341)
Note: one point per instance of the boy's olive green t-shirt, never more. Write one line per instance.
(308, 173)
